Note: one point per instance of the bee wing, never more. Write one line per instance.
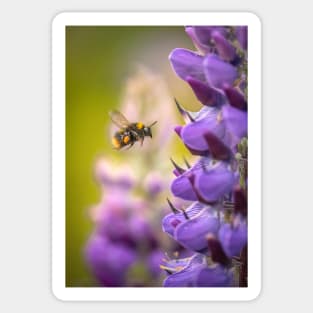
(119, 119)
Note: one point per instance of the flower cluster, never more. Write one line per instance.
(214, 226)
(124, 249)
(127, 244)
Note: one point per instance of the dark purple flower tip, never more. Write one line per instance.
(212, 184)
(172, 220)
(236, 121)
(204, 47)
(218, 255)
(204, 33)
(187, 63)
(225, 49)
(192, 233)
(201, 36)
(204, 93)
(216, 276)
(242, 36)
(240, 199)
(217, 148)
(109, 261)
(217, 72)
(236, 98)
(187, 274)
(176, 172)
(178, 129)
(233, 237)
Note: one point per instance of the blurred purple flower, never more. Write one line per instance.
(109, 261)
(154, 184)
(124, 242)
(154, 261)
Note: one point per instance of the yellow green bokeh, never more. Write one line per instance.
(98, 62)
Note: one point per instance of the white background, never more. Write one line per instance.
(25, 229)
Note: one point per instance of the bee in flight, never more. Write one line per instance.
(129, 133)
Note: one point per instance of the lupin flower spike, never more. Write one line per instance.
(216, 228)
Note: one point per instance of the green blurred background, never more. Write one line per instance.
(98, 62)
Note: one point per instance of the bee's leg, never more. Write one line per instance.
(130, 145)
(141, 141)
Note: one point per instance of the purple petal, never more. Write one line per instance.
(193, 133)
(109, 261)
(139, 229)
(225, 49)
(182, 188)
(235, 120)
(171, 221)
(187, 63)
(215, 183)
(205, 94)
(236, 98)
(192, 234)
(218, 254)
(188, 275)
(217, 72)
(191, 32)
(154, 183)
(242, 36)
(214, 277)
(218, 149)
(178, 130)
(201, 36)
(113, 225)
(204, 33)
(154, 261)
(233, 238)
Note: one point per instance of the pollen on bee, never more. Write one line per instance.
(126, 139)
(139, 125)
(115, 143)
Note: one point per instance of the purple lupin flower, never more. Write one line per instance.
(124, 238)
(196, 219)
(215, 225)
(109, 261)
(195, 272)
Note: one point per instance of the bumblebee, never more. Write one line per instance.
(129, 133)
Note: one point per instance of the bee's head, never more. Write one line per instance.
(147, 130)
